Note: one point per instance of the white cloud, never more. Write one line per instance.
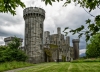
(56, 16)
(82, 51)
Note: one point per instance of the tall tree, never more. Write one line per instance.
(93, 27)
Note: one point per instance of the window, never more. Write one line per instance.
(40, 25)
(40, 35)
(41, 47)
(59, 42)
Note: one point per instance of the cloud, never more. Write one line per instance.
(56, 16)
(82, 51)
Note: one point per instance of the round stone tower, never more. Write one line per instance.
(34, 18)
(76, 48)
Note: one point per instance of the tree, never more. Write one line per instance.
(93, 27)
(11, 52)
(15, 43)
(10, 6)
(93, 48)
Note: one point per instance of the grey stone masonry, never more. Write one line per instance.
(10, 39)
(76, 48)
(34, 18)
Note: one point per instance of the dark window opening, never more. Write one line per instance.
(40, 35)
(41, 47)
(40, 25)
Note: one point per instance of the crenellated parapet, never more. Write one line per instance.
(76, 48)
(33, 12)
(75, 40)
(11, 38)
(34, 18)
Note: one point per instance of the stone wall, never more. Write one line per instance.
(76, 48)
(34, 18)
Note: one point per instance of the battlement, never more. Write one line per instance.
(33, 11)
(11, 38)
(75, 40)
(46, 32)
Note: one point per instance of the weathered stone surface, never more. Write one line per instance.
(34, 18)
(76, 48)
(64, 47)
(35, 38)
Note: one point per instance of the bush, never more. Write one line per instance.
(93, 47)
(11, 52)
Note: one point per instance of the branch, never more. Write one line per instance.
(88, 12)
(98, 7)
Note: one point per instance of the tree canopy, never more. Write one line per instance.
(93, 48)
(10, 6)
(93, 27)
(11, 52)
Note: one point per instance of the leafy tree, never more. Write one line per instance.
(11, 52)
(93, 27)
(10, 6)
(15, 43)
(93, 48)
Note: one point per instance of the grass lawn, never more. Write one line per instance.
(13, 65)
(65, 67)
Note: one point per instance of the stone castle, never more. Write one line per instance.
(36, 40)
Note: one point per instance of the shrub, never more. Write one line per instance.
(11, 52)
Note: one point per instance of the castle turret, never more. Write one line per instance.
(34, 18)
(46, 37)
(68, 40)
(58, 30)
(10, 39)
(76, 48)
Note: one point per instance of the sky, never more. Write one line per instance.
(56, 16)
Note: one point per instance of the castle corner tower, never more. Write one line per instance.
(34, 18)
(76, 48)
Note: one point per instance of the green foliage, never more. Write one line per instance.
(11, 52)
(49, 1)
(15, 43)
(12, 65)
(49, 51)
(93, 48)
(63, 58)
(53, 46)
(10, 6)
(93, 28)
(89, 4)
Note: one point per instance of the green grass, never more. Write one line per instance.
(65, 67)
(86, 60)
(13, 65)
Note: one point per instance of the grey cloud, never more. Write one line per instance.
(4, 33)
(74, 19)
(8, 19)
(1, 42)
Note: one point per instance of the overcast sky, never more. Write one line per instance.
(56, 16)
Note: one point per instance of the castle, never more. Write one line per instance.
(36, 40)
